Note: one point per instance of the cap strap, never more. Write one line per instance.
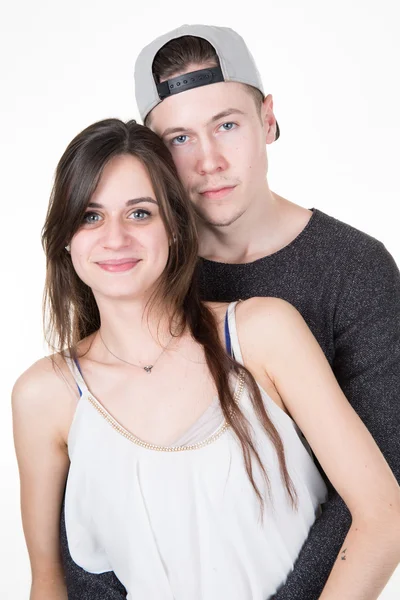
(189, 81)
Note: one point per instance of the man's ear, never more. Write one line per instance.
(268, 119)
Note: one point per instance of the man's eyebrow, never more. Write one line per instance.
(131, 202)
(170, 130)
(225, 113)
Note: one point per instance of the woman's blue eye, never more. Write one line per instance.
(228, 126)
(140, 214)
(179, 140)
(91, 217)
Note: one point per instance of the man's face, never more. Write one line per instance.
(217, 137)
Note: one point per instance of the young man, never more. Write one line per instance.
(198, 88)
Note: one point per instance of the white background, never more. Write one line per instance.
(332, 67)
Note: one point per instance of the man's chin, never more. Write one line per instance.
(213, 220)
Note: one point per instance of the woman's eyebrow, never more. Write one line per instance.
(141, 199)
(128, 202)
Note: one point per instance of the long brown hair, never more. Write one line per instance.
(70, 309)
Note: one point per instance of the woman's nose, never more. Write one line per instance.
(116, 235)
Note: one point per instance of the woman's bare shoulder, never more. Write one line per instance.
(265, 307)
(259, 312)
(46, 388)
(268, 321)
(266, 311)
(47, 372)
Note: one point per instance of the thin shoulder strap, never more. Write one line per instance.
(231, 335)
(76, 374)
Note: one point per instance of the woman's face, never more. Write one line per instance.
(121, 248)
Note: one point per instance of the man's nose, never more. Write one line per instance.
(210, 159)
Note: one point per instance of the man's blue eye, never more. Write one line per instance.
(179, 139)
(228, 126)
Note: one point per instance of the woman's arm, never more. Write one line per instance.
(345, 449)
(40, 419)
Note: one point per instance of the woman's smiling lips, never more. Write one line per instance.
(118, 265)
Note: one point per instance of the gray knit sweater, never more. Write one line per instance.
(347, 287)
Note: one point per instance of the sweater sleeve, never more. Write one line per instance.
(367, 366)
(82, 585)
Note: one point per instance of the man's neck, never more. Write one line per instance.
(261, 231)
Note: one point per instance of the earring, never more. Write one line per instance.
(68, 248)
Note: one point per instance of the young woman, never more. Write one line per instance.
(177, 425)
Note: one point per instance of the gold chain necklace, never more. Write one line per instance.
(147, 368)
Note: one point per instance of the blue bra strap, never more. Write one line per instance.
(77, 374)
(79, 369)
(227, 336)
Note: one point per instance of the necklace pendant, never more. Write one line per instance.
(148, 368)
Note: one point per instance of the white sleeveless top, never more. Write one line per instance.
(184, 522)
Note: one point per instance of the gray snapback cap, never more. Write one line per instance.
(237, 64)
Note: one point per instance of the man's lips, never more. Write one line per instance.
(118, 265)
(216, 193)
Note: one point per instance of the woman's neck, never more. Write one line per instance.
(133, 330)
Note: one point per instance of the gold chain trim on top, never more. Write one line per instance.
(129, 436)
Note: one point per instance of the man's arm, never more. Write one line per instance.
(81, 584)
(367, 366)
